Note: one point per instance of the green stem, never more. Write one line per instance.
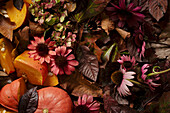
(137, 83)
(45, 110)
(160, 72)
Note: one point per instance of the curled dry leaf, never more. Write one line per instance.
(77, 85)
(124, 34)
(71, 6)
(6, 27)
(107, 25)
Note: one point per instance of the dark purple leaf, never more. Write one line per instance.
(80, 5)
(157, 8)
(88, 63)
(29, 101)
(18, 4)
(94, 7)
(111, 106)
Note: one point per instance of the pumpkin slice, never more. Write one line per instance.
(51, 80)
(15, 15)
(11, 93)
(28, 1)
(6, 58)
(35, 71)
(53, 100)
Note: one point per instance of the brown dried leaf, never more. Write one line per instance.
(71, 6)
(6, 27)
(107, 25)
(98, 52)
(157, 8)
(77, 85)
(36, 29)
(3, 73)
(123, 33)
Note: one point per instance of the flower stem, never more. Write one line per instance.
(137, 83)
(160, 72)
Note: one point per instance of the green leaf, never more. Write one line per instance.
(107, 53)
(94, 8)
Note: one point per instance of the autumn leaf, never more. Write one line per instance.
(107, 25)
(29, 101)
(98, 52)
(80, 5)
(88, 63)
(94, 7)
(36, 29)
(6, 27)
(77, 85)
(157, 8)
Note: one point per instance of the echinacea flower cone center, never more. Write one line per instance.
(117, 77)
(61, 61)
(42, 49)
(127, 64)
(81, 109)
(124, 15)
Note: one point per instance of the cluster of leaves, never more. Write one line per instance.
(100, 42)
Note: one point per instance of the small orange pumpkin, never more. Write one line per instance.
(10, 94)
(53, 100)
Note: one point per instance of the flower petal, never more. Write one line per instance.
(128, 75)
(47, 59)
(122, 4)
(63, 50)
(52, 52)
(68, 52)
(84, 99)
(55, 70)
(73, 62)
(67, 71)
(42, 59)
(61, 72)
(31, 47)
(95, 106)
(71, 57)
(128, 83)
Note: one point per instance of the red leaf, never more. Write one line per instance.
(157, 8)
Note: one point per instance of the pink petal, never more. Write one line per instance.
(63, 50)
(84, 99)
(79, 101)
(51, 43)
(128, 83)
(32, 52)
(47, 59)
(138, 15)
(73, 62)
(130, 6)
(67, 71)
(68, 52)
(128, 75)
(115, 6)
(47, 40)
(41, 40)
(121, 23)
(95, 106)
(122, 4)
(37, 39)
(52, 52)
(37, 57)
(137, 9)
(42, 59)
(55, 70)
(34, 43)
(71, 57)
(57, 50)
(31, 47)
(61, 72)
(89, 99)
(71, 68)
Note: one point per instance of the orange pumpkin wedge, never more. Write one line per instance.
(15, 15)
(51, 80)
(6, 58)
(35, 71)
(28, 1)
(11, 93)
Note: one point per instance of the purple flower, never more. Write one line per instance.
(128, 14)
(126, 62)
(85, 104)
(149, 81)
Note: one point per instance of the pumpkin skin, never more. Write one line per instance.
(53, 100)
(10, 94)
(4, 110)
